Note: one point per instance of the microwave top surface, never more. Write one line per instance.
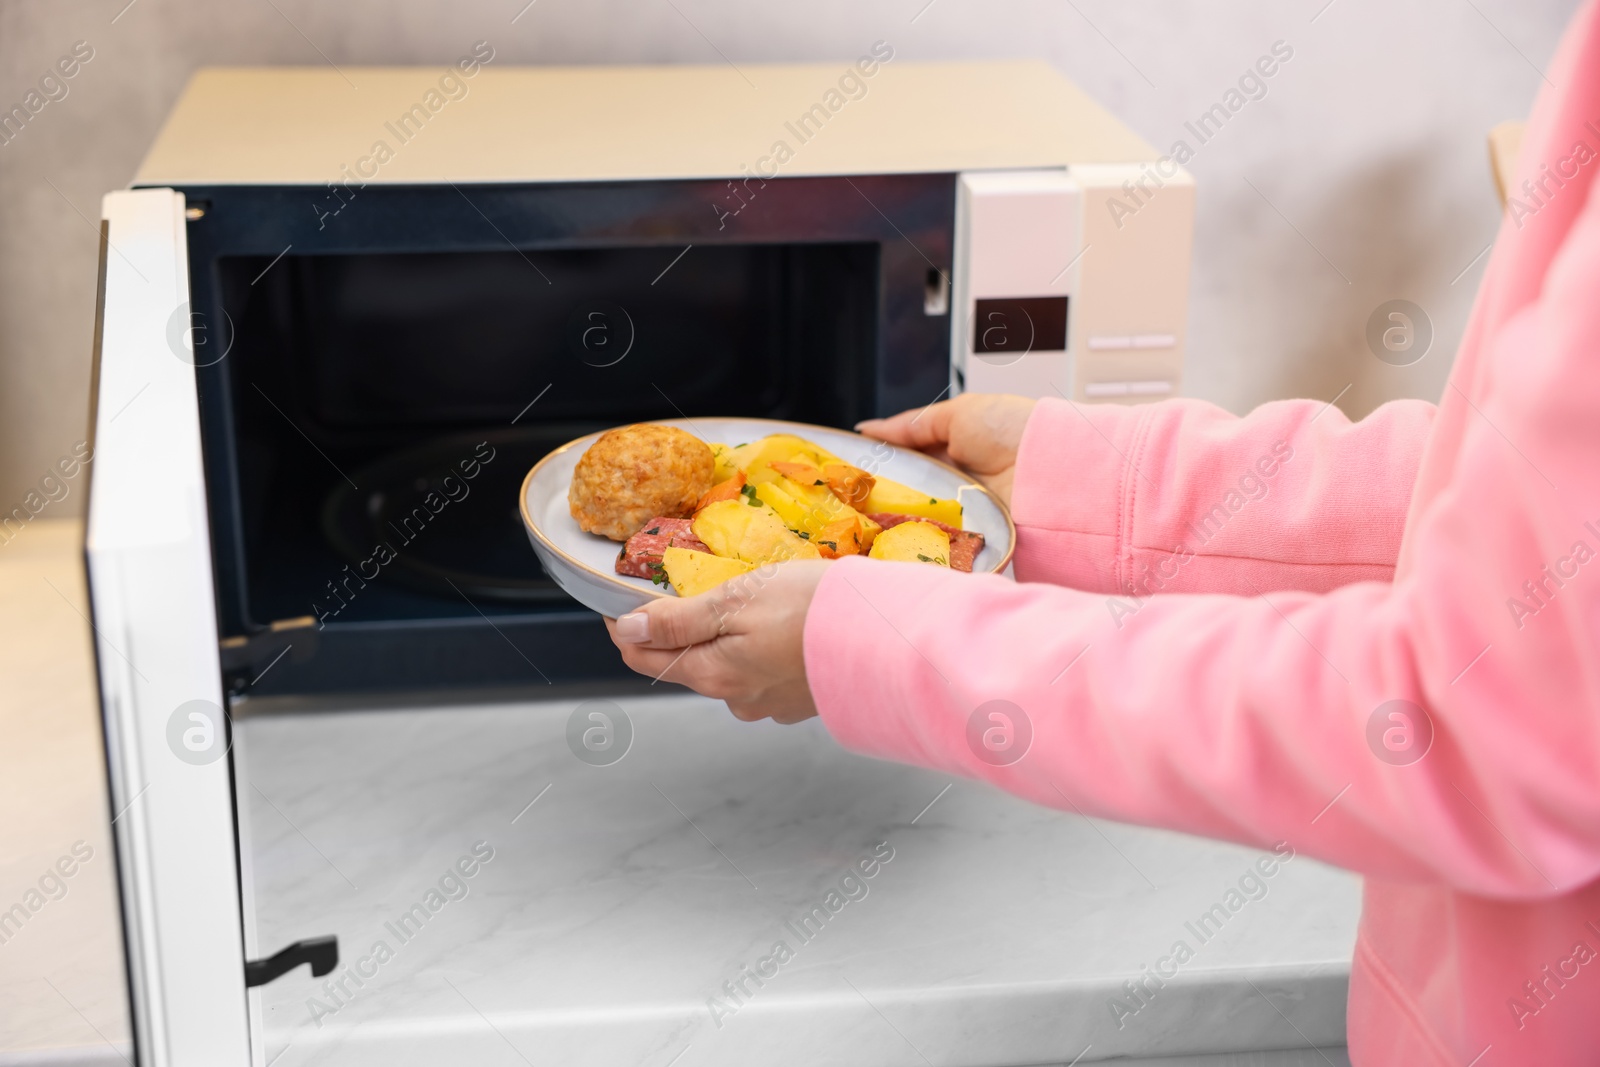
(472, 120)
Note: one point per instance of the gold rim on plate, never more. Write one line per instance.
(534, 528)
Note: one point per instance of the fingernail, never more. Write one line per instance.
(633, 628)
(863, 422)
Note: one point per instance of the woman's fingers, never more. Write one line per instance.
(648, 661)
(742, 642)
(670, 623)
(697, 666)
(921, 428)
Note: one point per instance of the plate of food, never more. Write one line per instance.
(676, 507)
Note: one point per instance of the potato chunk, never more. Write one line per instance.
(757, 457)
(913, 542)
(723, 466)
(692, 572)
(887, 496)
(812, 511)
(792, 511)
(756, 535)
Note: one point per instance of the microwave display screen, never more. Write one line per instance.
(1016, 325)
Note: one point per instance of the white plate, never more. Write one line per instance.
(584, 564)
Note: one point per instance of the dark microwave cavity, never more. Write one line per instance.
(381, 361)
(355, 363)
(429, 339)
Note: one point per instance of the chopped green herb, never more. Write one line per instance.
(831, 544)
(804, 533)
(658, 574)
(932, 500)
(819, 481)
(940, 560)
(655, 531)
(749, 493)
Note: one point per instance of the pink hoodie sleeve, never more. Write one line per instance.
(1445, 727)
(1182, 496)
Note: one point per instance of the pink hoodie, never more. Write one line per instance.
(1311, 572)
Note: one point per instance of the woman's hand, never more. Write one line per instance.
(978, 432)
(740, 642)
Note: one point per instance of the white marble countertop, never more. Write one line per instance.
(618, 904)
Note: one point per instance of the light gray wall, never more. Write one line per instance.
(1367, 155)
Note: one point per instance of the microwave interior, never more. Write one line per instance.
(373, 394)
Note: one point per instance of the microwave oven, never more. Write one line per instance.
(333, 318)
(556, 251)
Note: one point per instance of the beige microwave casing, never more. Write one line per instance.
(1128, 276)
(311, 125)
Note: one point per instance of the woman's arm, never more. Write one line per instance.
(1256, 720)
(1182, 496)
(1444, 727)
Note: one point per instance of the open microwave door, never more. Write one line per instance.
(154, 616)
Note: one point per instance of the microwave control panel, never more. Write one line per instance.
(1071, 282)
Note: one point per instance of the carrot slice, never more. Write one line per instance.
(850, 484)
(725, 490)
